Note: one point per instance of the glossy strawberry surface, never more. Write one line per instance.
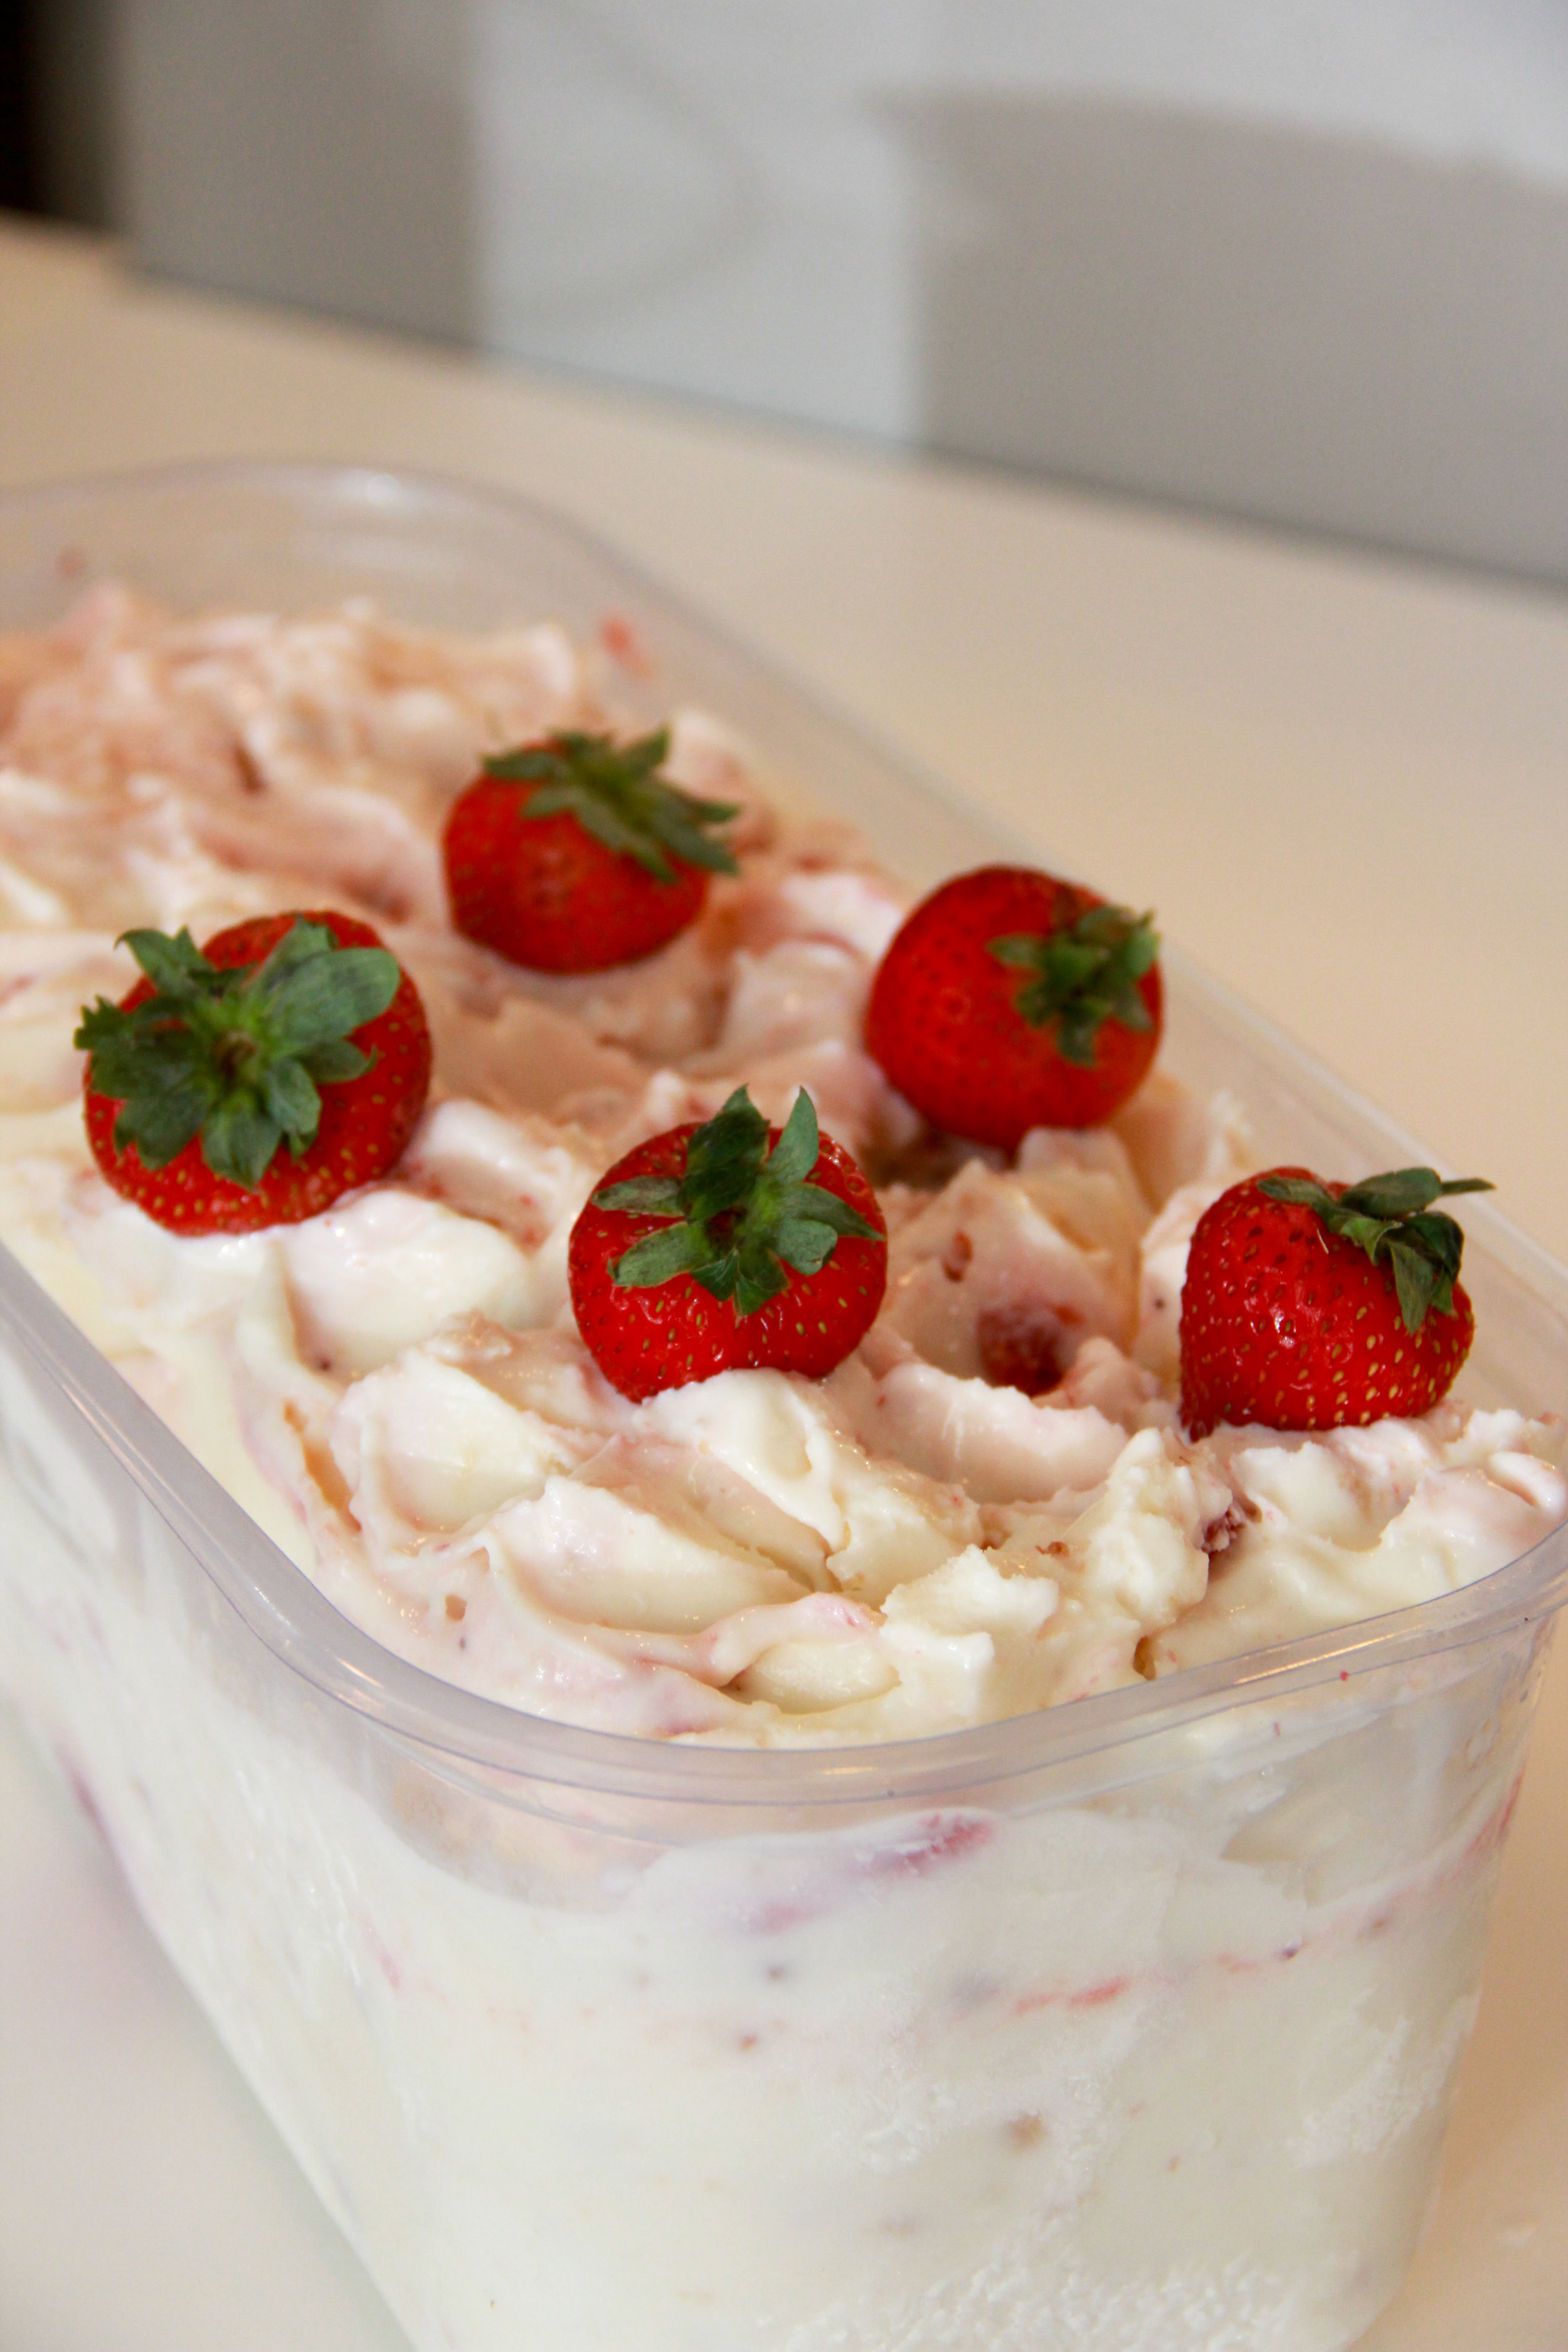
(1289, 1325)
(946, 1024)
(543, 892)
(365, 1121)
(662, 1336)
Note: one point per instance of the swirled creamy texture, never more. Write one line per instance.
(396, 1388)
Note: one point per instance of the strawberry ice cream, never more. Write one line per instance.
(396, 1385)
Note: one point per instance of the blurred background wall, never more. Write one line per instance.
(1301, 261)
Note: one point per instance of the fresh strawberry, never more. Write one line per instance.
(1010, 1000)
(297, 1030)
(574, 854)
(1313, 1305)
(705, 1250)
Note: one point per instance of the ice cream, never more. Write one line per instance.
(988, 1508)
(1141, 2044)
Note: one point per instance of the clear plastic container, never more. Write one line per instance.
(1132, 2025)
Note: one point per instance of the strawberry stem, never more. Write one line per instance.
(234, 1053)
(1391, 1217)
(1083, 974)
(616, 792)
(742, 1213)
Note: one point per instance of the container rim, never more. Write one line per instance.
(283, 1608)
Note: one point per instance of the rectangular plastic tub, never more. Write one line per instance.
(1132, 2025)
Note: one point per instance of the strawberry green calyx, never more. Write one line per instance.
(1084, 974)
(616, 792)
(234, 1056)
(743, 1212)
(1391, 1217)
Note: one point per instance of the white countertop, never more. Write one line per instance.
(1341, 782)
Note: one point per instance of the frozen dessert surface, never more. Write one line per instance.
(989, 1507)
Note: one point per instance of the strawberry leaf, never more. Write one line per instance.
(659, 1194)
(290, 1098)
(161, 1124)
(334, 1061)
(760, 1276)
(321, 1003)
(1391, 1217)
(742, 1212)
(674, 1249)
(723, 1160)
(718, 1275)
(1415, 1281)
(176, 967)
(800, 1142)
(804, 1243)
(238, 1140)
(616, 793)
(301, 944)
(1405, 1190)
(1083, 975)
(1305, 1192)
(823, 1208)
(234, 1055)
(1440, 1237)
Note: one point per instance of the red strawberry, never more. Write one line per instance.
(1312, 1306)
(1010, 1000)
(706, 1251)
(216, 1057)
(574, 854)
